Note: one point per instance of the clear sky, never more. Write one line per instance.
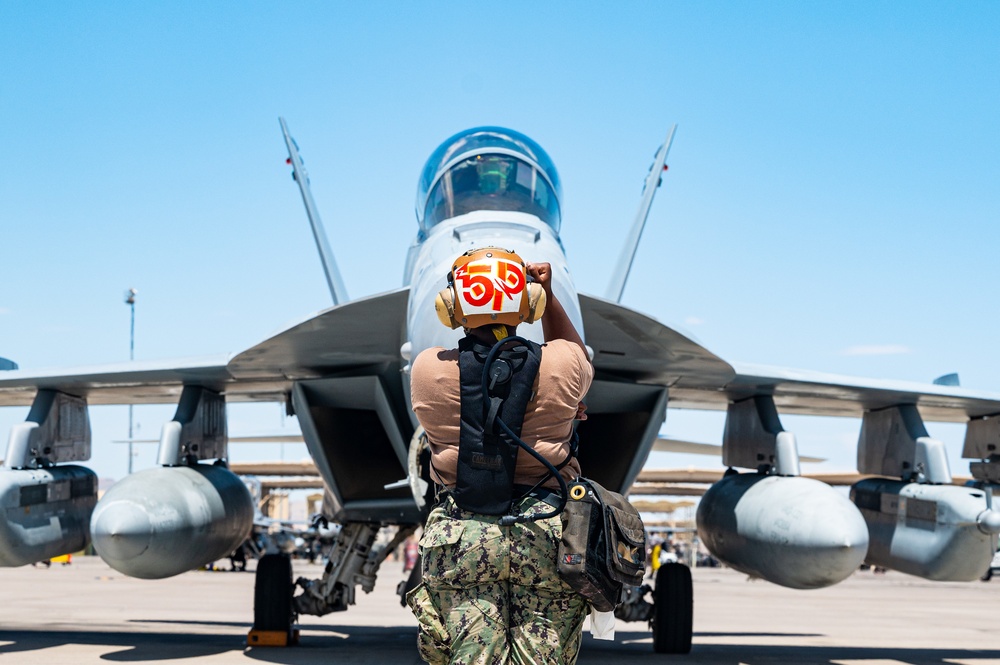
(832, 202)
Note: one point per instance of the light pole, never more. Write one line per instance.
(130, 301)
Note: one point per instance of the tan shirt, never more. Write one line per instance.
(564, 377)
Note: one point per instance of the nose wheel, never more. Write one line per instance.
(673, 609)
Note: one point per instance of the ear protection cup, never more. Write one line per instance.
(536, 302)
(444, 305)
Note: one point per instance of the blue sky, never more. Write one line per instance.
(832, 200)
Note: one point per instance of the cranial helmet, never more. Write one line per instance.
(488, 286)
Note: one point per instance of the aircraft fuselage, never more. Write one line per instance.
(430, 260)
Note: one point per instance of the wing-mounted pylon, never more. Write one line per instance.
(333, 280)
(754, 438)
(982, 444)
(653, 180)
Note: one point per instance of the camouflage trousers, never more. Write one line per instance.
(491, 595)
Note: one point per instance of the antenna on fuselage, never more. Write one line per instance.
(653, 180)
(301, 176)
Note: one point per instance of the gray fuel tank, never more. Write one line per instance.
(938, 532)
(793, 531)
(168, 520)
(46, 512)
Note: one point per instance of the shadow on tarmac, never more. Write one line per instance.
(382, 645)
(322, 644)
(629, 647)
(135, 647)
(304, 627)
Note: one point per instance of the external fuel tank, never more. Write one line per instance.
(793, 531)
(165, 521)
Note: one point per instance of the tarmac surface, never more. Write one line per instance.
(88, 613)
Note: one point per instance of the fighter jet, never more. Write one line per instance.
(344, 373)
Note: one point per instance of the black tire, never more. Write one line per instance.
(272, 594)
(673, 609)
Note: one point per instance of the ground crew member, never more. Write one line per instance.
(490, 592)
(654, 559)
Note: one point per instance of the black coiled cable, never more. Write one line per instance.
(510, 520)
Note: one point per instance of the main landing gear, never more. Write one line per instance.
(354, 561)
(273, 614)
(673, 609)
(670, 615)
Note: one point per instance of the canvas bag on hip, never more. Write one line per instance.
(603, 545)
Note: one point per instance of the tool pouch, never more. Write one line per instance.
(603, 545)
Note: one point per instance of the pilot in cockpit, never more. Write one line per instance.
(489, 169)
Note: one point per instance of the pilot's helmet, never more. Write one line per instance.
(488, 168)
(488, 286)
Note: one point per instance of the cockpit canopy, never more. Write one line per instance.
(488, 168)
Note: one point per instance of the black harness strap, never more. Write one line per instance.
(487, 454)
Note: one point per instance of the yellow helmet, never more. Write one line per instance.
(487, 287)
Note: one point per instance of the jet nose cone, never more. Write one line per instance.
(122, 531)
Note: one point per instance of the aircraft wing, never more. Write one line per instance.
(628, 346)
(822, 394)
(634, 347)
(364, 332)
(158, 382)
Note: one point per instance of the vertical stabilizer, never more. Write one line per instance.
(624, 265)
(333, 280)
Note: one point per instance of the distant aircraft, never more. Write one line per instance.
(343, 372)
(271, 535)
